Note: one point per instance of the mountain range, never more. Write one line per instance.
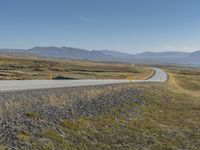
(109, 55)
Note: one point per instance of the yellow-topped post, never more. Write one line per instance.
(130, 78)
(50, 73)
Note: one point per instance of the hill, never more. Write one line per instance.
(115, 54)
(172, 57)
(69, 53)
(195, 54)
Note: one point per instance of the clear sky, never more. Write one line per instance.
(123, 25)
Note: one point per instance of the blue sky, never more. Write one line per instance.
(124, 25)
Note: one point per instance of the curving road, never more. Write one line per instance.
(21, 85)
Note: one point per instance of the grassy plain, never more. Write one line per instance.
(184, 80)
(160, 116)
(20, 68)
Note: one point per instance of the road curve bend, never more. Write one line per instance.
(159, 76)
(22, 85)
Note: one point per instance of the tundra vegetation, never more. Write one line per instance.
(124, 116)
(21, 67)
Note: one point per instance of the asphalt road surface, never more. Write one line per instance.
(21, 85)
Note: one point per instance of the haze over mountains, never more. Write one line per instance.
(108, 55)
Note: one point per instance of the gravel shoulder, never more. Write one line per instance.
(34, 111)
(140, 115)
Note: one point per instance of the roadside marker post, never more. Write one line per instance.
(50, 76)
(50, 73)
(130, 78)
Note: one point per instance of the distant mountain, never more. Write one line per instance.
(113, 56)
(173, 54)
(195, 54)
(168, 57)
(116, 54)
(69, 53)
(12, 51)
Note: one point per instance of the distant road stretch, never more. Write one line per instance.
(21, 85)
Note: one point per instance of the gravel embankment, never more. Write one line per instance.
(32, 111)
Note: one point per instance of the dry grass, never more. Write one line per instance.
(2, 147)
(161, 115)
(39, 68)
(184, 80)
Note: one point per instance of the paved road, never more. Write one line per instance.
(21, 85)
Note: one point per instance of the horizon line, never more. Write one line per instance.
(141, 51)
